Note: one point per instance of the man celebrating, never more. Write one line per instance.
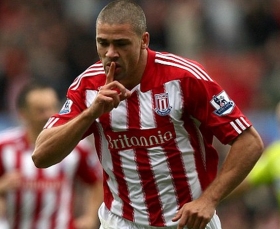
(153, 117)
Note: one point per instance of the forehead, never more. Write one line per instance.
(41, 97)
(114, 31)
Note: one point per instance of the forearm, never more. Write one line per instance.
(95, 197)
(54, 144)
(241, 158)
(92, 201)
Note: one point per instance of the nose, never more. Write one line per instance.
(111, 51)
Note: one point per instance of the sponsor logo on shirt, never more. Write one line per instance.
(42, 184)
(222, 103)
(147, 138)
(66, 109)
(162, 106)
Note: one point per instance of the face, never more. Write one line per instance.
(120, 44)
(41, 104)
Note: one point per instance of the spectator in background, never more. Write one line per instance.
(37, 198)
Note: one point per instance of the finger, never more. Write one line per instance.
(177, 216)
(124, 94)
(110, 75)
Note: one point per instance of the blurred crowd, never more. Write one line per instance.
(238, 42)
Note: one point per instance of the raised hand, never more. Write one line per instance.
(109, 95)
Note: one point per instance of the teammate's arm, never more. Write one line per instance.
(93, 200)
(54, 144)
(242, 156)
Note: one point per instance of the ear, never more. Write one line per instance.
(145, 40)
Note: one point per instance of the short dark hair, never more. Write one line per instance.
(21, 101)
(122, 12)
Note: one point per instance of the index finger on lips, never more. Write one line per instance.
(110, 75)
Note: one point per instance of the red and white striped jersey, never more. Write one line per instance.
(45, 197)
(156, 146)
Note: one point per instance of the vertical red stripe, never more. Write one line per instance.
(150, 189)
(108, 197)
(203, 175)
(122, 188)
(178, 173)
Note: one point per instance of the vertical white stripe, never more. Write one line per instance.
(64, 206)
(49, 196)
(90, 96)
(9, 160)
(146, 110)
(131, 175)
(49, 199)
(119, 119)
(28, 169)
(28, 204)
(163, 180)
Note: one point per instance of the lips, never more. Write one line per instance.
(117, 67)
(109, 64)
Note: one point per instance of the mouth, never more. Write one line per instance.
(117, 67)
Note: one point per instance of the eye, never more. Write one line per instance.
(121, 43)
(103, 43)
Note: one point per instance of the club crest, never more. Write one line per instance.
(222, 103)
(162, 106)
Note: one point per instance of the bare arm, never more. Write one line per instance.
(54, 144)
(10, 181)
(243, 154)
(92, 201)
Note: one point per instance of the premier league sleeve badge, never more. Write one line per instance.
(222, 103)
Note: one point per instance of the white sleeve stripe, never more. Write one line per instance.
(88, 72)
(48, 122)
(235, 127)
(180, 66)
(240, 124)
(184, 62)
(183, 65)
(51, 122)
(76, 84)
(244, 121)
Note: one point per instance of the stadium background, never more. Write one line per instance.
(238, 42)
